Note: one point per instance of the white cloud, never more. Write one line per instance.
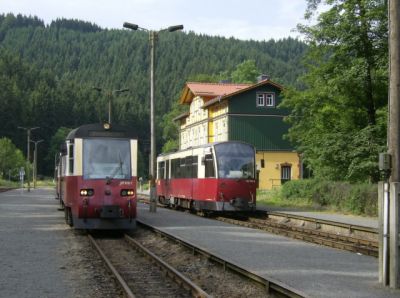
(251, 19)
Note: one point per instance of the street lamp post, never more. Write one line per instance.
(110, 96)
(28, 133)
(153, 37)
(35, 162)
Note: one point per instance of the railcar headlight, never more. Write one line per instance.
(87, 192)
(127, 192)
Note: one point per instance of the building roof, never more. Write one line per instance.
(252, 86)
(181, 116)
(215, 92)
(209, 90)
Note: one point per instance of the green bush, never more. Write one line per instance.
(342, 196)
(297, 189)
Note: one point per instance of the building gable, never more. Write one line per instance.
(262, 100)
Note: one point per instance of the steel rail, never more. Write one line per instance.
(271, 285)
(325, 234)
(172, 272)
(350, 227)
(317, 232)
(114, 271)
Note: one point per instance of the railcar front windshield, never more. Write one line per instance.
(106, 158)
(235, 160)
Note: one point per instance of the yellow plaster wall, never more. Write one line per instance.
(270, 175)
(211, 131)
(214, 111)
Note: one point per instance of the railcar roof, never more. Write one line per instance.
(203, 146)
(98, 130)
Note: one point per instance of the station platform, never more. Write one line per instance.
(314, 270)
(33, 238)
(41, 256)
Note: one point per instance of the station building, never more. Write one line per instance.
(241, 112)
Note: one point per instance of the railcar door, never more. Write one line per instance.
(162, 186)
(167, 179)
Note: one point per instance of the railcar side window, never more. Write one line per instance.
(71, 158)
(209, 164)
(175, 168)
(161, 170)
(182, 172)
(195, 165)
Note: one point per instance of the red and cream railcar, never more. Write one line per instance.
(213, 177)
(97, 177)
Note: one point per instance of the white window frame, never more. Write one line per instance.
(266, 99)
(260, 96)
(269, 99)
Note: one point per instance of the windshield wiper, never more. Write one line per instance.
(115, 171)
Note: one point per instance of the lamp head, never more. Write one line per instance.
(130, 26)
(175, 28)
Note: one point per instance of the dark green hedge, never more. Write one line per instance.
(355, 198)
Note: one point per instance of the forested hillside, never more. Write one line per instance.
(47, 74)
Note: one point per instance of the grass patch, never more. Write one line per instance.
(17, 184)
(313, 194)
(8, 184)
(274, 198)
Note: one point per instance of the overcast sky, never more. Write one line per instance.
(242, 19)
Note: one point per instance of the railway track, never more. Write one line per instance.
(339, 241)
(338, 235)
(220, 278)
(140, 272)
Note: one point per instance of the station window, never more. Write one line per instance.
(71, 158)
(262, 163)
(266, 99)
(286, 173)
(260, 100)
(269, 99)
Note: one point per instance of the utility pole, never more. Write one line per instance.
(394, 141)
(152, 167)
(153, 200)
(110, 95)
(28, 149)
(35, 162)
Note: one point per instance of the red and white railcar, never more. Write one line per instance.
(213, 177)
(97, 177)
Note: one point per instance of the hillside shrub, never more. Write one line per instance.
(359, 198)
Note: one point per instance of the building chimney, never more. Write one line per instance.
(262, 77)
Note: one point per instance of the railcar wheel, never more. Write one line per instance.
(68, 216)
(61, 207)
(193, 206)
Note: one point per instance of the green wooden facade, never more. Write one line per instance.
(264, 127)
